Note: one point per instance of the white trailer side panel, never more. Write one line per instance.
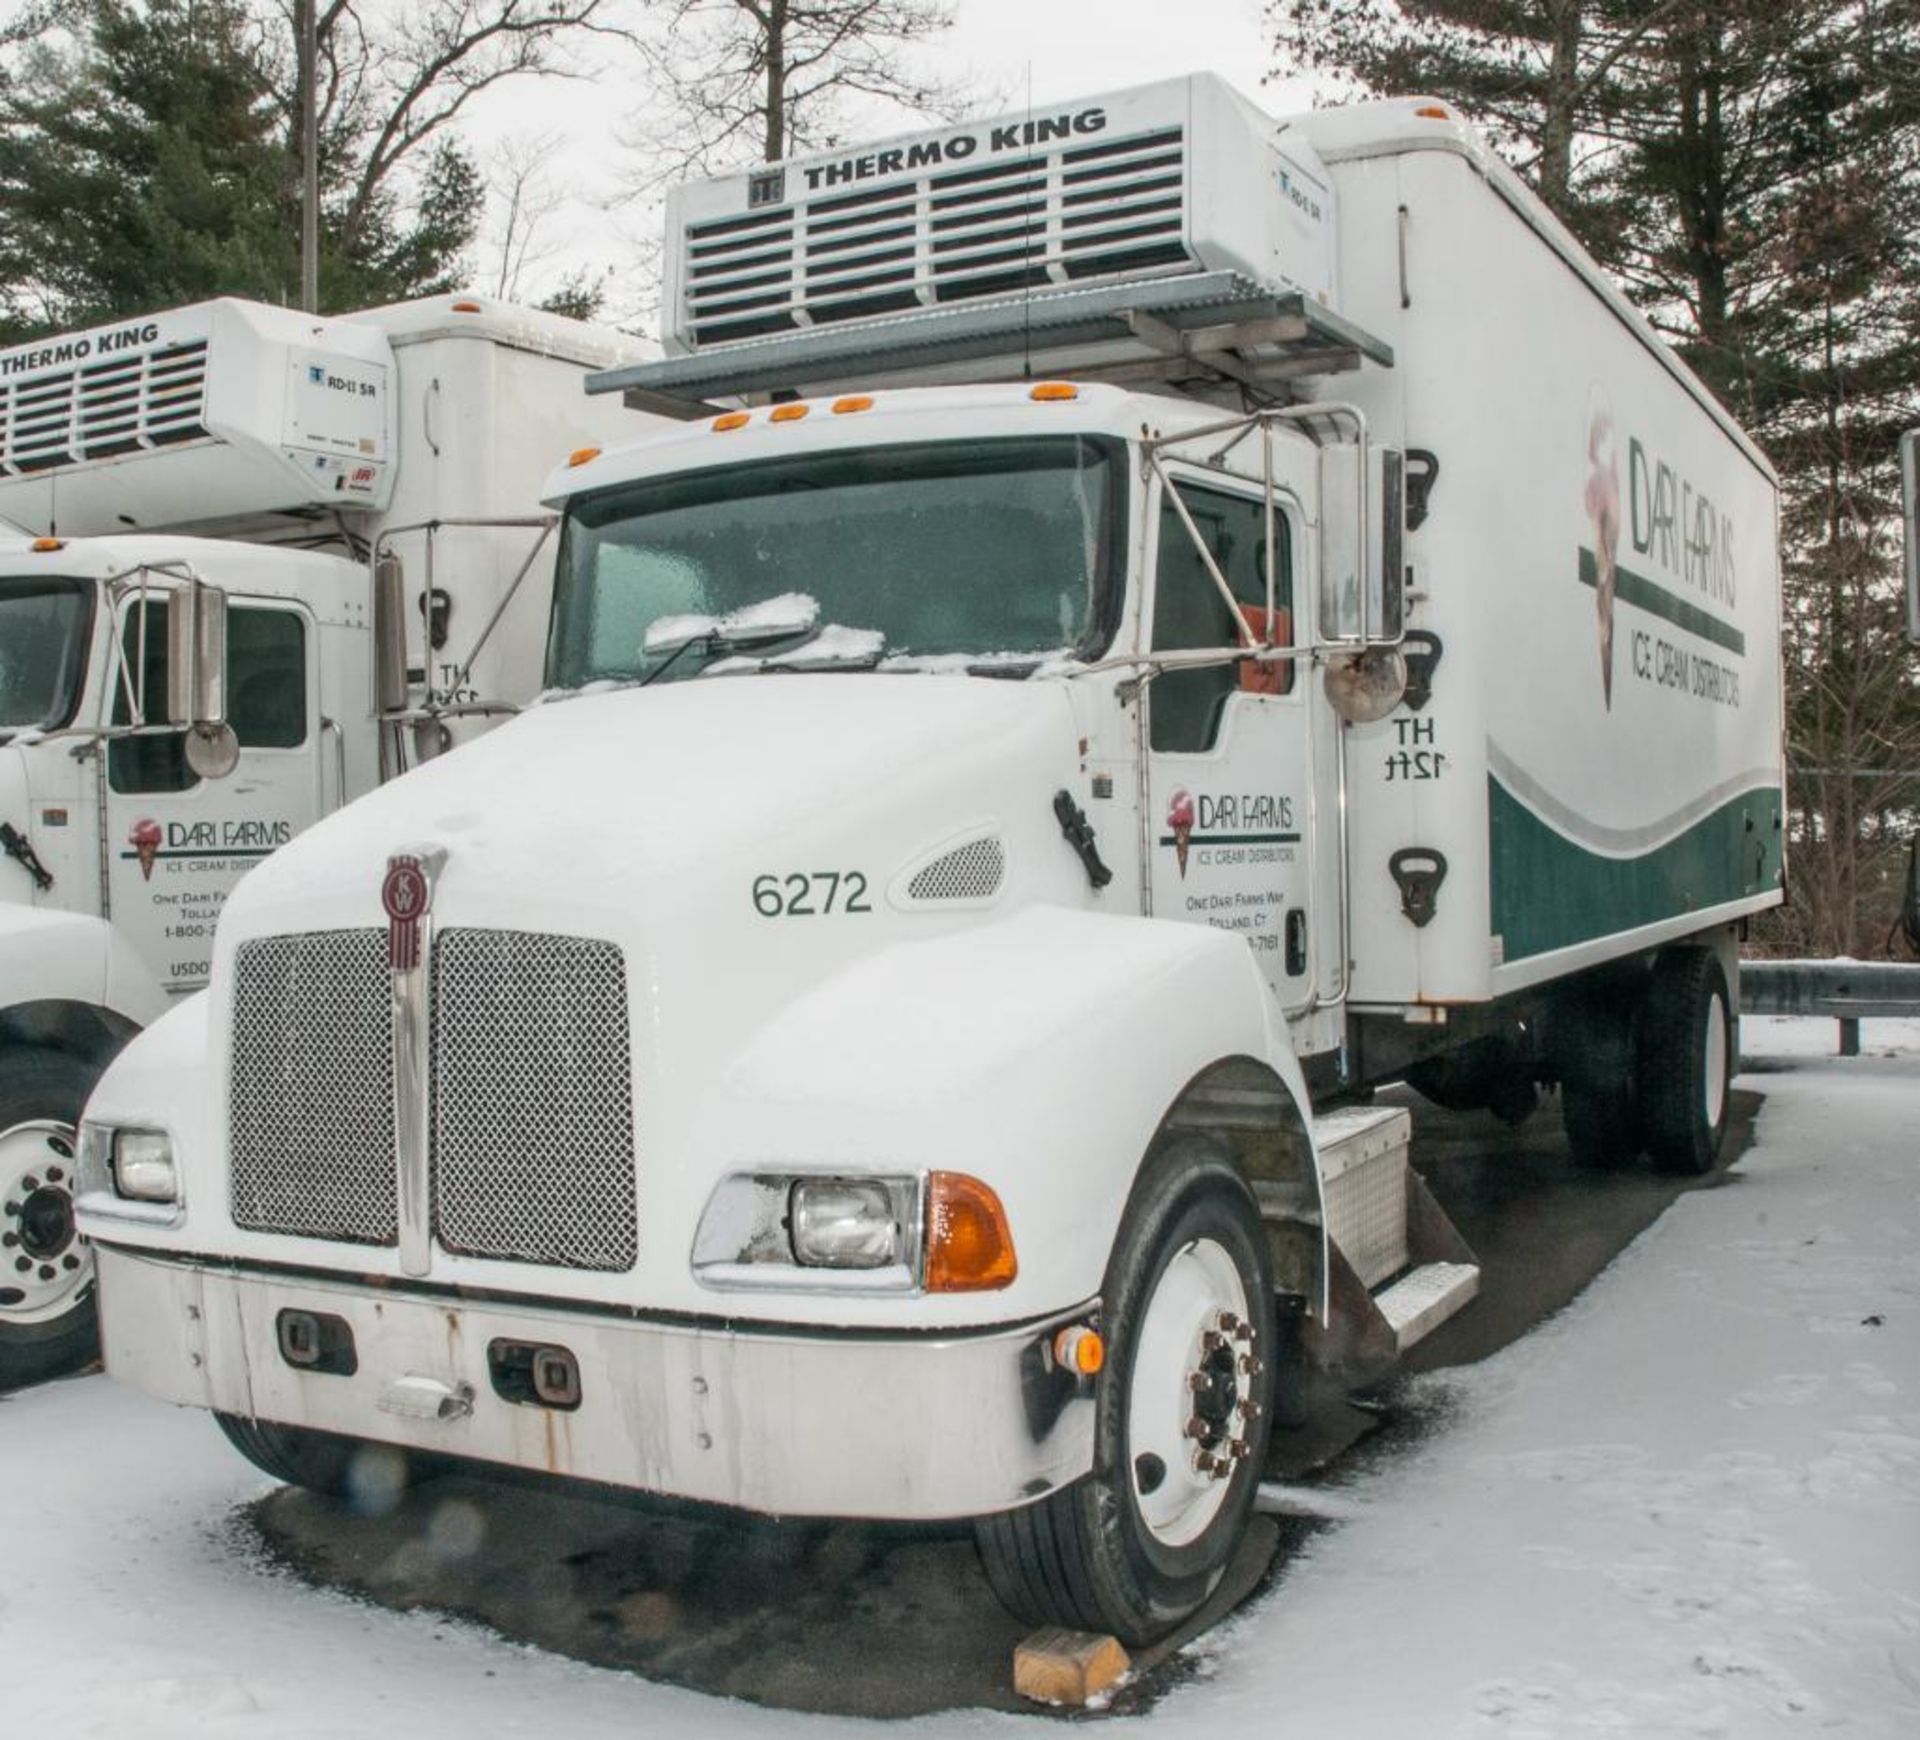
(1600, 764)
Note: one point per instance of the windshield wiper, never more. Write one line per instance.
(830, 648)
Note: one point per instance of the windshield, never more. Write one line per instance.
(43, 634)
(999, 550)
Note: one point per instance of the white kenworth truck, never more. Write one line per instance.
(141, 774)
(1154, 620)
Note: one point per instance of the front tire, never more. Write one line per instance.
(1686, 1061)
(370, 1476)
(1184, 1408)
(47, 1317)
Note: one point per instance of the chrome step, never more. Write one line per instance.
(1424, 1298)
(1397, 1266)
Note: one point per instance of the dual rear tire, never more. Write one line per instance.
(1649, 1068)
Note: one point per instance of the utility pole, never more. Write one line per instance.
(306, 57)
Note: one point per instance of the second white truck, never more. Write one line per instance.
(1155, 620)
(252, 468)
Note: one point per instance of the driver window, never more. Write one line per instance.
(1186, 707)
(266, 694)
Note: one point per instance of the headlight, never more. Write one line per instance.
(143, 1166)
(844, 1223)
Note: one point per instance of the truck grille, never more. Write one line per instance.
(311, 1113)
(126, 403)
(1081, 210)
(532, 1099)
(532, 1125)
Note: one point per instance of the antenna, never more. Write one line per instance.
(1026, 256)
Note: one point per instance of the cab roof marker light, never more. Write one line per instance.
(42, 546)
(467, 307)
(1434, 112)
(731, 420)
(789, 413)
(853, 402)
(1049, 392)
(581, 456)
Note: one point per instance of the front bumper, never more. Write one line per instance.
(902, 1426)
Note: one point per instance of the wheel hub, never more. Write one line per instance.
(43, 1264)
(1191, 1413)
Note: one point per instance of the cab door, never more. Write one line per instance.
(1230, 820)
(176, 843)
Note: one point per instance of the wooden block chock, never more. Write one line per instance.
(1056, 1666)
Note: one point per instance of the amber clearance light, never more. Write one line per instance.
(969, 1244)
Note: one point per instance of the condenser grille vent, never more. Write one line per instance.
(1076, 212)
(130, 403)
(969, 872)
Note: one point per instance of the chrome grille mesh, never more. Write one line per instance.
(310, 1117)
(532, 1099)
(969, 872)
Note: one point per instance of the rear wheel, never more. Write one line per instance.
(1183, 1411)
(1686, 1061)
(371, 1476)
(47, 1321)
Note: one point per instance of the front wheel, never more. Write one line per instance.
(47, 1320)
(1184, 1407)
(369, 1476)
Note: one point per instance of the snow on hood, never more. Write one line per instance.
(604, 801)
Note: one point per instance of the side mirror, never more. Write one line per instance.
(389, 635)
(197, 677)
(196, 654)
(1910, 526)
(1343, 542)
(1388, 578)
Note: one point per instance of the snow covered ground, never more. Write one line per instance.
(1689, 1505)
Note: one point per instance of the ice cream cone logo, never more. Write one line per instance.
(1603, 511)
(145, 839)
(1180, 820)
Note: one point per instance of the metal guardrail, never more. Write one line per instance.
(1848, 991)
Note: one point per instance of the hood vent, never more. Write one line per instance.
(968, 874)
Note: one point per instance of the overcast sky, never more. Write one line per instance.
(1057, 48)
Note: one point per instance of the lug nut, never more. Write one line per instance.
(29, 1184)
(1212, 1341)
(54, 1175)
(1244, 1332)
(1197, 1381)
(1249, 1410)
(1196, 1427)
(1206, 1462)
(1239, 1449)
(1226, 1322)
(46, 1271)
(22, 1264)
(70, 1261)
(1250, 1365)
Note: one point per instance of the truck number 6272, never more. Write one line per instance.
(810, 895)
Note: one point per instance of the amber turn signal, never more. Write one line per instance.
(969, 1244)
(1079, 1350)
(1048, 391)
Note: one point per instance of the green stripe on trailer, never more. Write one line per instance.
(1656, 600)
(1550, 892)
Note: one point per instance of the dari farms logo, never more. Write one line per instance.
(146, 837)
